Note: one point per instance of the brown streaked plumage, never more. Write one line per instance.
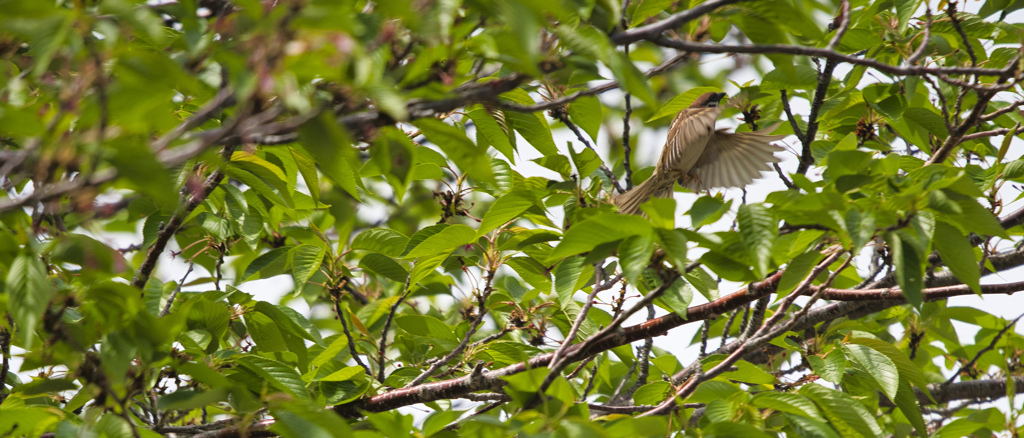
(700, 157)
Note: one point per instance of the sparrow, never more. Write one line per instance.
(699, 157)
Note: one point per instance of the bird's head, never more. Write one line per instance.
(707, 100)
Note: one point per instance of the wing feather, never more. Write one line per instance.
(688, 136)
(734, 159)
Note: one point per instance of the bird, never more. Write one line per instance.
(700, 157)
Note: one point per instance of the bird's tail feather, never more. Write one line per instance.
(629, 202)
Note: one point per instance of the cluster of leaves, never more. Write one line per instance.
(397, 164)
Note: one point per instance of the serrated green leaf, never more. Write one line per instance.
(276, 374)
(674, 244)
(681, 102)
(385, 241)
(586, 161)
(957, 254)
(635, 254)
(844, 413)
(327, 141)
(443, 241)
(459, 148)
(882, 370)
(652, 393)
(908, 268)
(603, 228)
(796, 271)
(268, 264)
(787, 402)
(631, 79)
(306, 260)
(707, 210)
(586, 112)
(758, 228)
(495, 134)
(567, 275)
(307, 167)
(649, 8)
(504, 209)
(347, 373)
(384, 266)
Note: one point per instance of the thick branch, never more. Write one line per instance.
(765, 49)
(655, 30)
(492, 379)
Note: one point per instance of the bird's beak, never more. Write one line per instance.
(717, 97)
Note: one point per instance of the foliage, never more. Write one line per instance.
(405, 166)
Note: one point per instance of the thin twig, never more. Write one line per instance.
(174, 294)
(481, 313)
(387, 326)
(579, 135)
(844, 19)
(348, 335)
(987, 348)
(824, 79)
(927, 36)
(789, 115)
(951, 12)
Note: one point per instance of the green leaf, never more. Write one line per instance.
(347, 373)
(631, 79)
(384, 266)
(276, 374)
(426, 265)
(44, 386)
(681, 102)
(268, 264)
(324, 139)
(708, 210)
(649, 8)
(603, 228)
(29, 293)
(383, 240)
(443, 241)
(799, 77)
(906, 400)
(425, 325)
(758, 228)
(713, 390)
(586, 161)
(957, 253)
(661, 212)
(532, 126)
(832, 367)
(306, 260)
(674, 244)
(796, 271)
(587, 113)
(459, 148)
(505, 209)
(882, 370)
(187, 400)
(653, 393)
(289, 321)
(338, 345)
(635, 254)
(844, 413)
(908, 268)
(307, 167)
(787, 402)
(567, 274)
(494, 132)
(907, 368)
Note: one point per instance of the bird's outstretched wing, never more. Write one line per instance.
(733, 159)
(688, 135)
